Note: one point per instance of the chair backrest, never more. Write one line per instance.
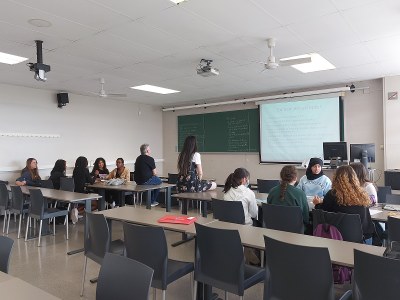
(219, 259)
(97, 240)
(349, 225)
(305, 274)
(4, 198)
(265, 185)
(148, 245)
(67, 184)
(17, 198)
(36, 206)
(228, 211)
(48, 184)
(382, 192)
(284, 218)
(393, 225)
(172, 178)
(123, 278)
(375, 277)
(6, 245)
(392, 199)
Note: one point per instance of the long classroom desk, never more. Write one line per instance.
(133, 187)
(341, 252)
(15, 288)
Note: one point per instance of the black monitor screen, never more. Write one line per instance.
(335, 149)
(357, 149)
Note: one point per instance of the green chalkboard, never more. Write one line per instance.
(231, 131)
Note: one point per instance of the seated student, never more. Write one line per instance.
(190, 171)
(236, 189)
(365, 183)
(315, 183)
(29, 174)
(81, 177)
(119, 172)
(286, 194)
(58, 171)
(99, 168)
(347, 196)
(146, 172)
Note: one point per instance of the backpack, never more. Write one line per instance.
(340, 274)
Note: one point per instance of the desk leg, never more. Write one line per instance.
(204, 292)
(102, 201)
(121, 198)
(184, 206)
(168, 199)
(148, 199)
(88, 208)
(204, 207)
(185, 238)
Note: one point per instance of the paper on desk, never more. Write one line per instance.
(374, 211)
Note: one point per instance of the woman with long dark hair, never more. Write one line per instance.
(286, 194)
(190, 172)
(236, 189)
(58, 171)
(365, 183)
(348, 196)
(99, 168)
(29, 174)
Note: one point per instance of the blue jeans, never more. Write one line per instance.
(368, 241)
(154, 180)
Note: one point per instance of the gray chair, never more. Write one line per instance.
(284, 218)
(67, 184)
(148, 245)
(393, 229)
(48, 184)
(38, 210)
(349, 225)
(17, 207)
(220, 263)
(375, 277)
(4, 202)
(6, 245)
(382, 192)
(265, 185)
(298, 272)
(392, 199)
(228, 211)
(97, 242)
(123, 278)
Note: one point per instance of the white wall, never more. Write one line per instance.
(88, 126)
(392, 123)
(363, 115)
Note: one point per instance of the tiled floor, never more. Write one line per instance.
(51, 269)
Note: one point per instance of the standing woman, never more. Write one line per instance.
(99, 168)
(237, 189)
(347, 196)
(29, 174)
(365, 183)
(315, 183)
(190, 171)
(286, 194)
(58, 171)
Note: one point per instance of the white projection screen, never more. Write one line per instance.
(293, 130)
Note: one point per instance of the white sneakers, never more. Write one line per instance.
(74, 215)
(154, 204)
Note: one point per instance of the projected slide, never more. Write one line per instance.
(294, 130)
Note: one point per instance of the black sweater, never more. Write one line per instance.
(81, 178)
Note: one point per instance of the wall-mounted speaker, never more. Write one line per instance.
(62, 99)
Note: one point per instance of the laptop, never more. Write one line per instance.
(392, 207)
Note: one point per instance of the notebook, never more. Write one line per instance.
(186, 220)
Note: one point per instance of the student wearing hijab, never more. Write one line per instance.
(315, 183)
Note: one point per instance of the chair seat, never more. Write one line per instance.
(117, 247)
(50, 213)
(175, 270)
(252, 275)
(17, 211)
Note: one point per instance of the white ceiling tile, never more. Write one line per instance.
(346, 4)
(349, 56)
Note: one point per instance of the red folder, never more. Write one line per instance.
(186, 220)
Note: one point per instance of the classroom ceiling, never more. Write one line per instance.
(131, 42)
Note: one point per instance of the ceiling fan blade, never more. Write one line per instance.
(294, 61)
(117, 95)
(93, 93)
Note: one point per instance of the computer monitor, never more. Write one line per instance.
(357, 151)
(335, 150)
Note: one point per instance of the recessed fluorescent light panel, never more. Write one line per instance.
(154, 89)
(318, 63)
(10, 59)
(177, 1)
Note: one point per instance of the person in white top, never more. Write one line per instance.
(236, 189)
(365, 183)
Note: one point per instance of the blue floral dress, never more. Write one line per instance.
(192, 183)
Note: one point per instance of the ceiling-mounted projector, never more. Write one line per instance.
(205, 69)
(39, 67)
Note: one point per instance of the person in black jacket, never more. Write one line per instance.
(99, 168)
(58, 171)
(29, 174)
(347, 196)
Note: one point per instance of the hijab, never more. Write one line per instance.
(309, 173)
